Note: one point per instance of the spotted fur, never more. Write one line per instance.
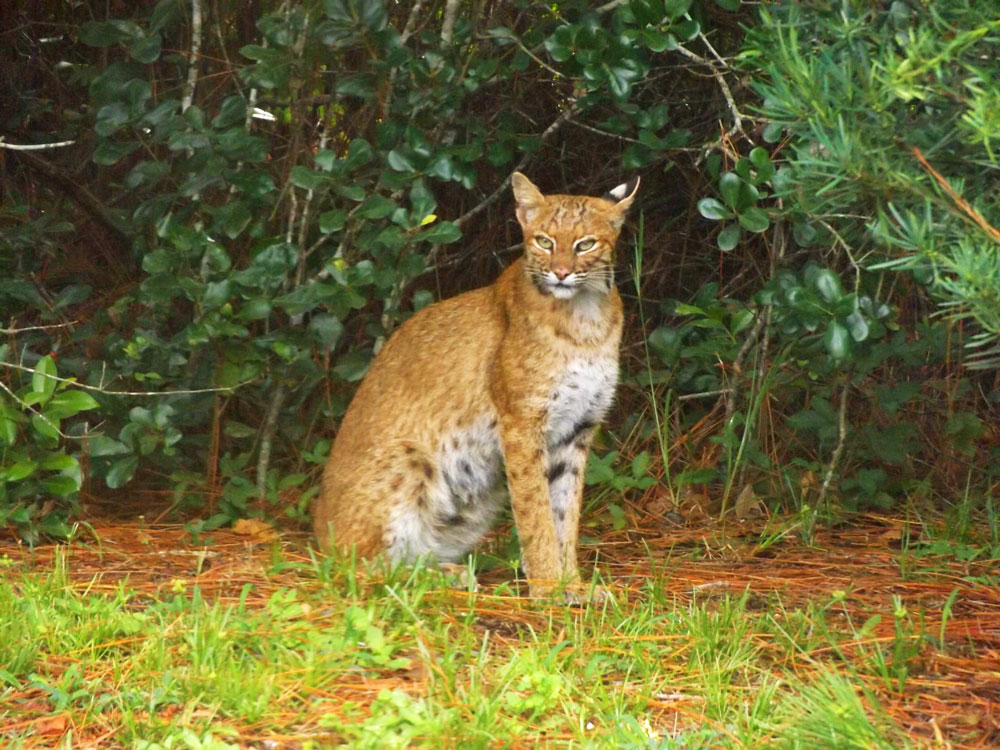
(508, 380)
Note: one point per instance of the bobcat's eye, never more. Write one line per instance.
(543, 242)
(585, 246)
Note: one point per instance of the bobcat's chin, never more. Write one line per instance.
(563, 291)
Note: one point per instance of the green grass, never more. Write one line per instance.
(319, 654)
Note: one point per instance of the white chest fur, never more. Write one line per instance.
(581, 396)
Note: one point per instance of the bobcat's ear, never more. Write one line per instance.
(529, 198)
(622, 196)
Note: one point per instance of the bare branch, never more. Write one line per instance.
(448, 22)
(77, 193)
(33, 146)
(192, 76)
(411, 24)
(495, 195)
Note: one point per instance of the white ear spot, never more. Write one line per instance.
(618, 192)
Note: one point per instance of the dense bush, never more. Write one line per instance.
(256, 194)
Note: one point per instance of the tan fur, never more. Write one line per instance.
(488, 375)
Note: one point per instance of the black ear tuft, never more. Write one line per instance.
(623, 191)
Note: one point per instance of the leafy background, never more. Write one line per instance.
(252, 196)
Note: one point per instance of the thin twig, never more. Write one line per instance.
(841, 441)
(15, 331)
(605, 133)
(717, 75)
(267, 438)
(33, 410)
(704, 394)
(959, 200)
(98, 389)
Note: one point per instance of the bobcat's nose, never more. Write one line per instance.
(561, 272)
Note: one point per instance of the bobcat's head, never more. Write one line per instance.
(569, 240)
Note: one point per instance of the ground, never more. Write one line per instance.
(875, 634)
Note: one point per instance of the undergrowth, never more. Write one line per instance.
(321, 653)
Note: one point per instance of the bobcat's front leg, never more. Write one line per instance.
(523, 441)
(566, 466)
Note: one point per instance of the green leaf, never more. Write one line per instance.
(305, 178)
(8, 430)
(399, 161)
(61, 485)
(20, 470)
(106, 33)
(760, 157)
(441, 233)
(665, 342)
(121, 472)
(696, 476)
(359, 153)
(676, 8)
(109, 152)
(728, 238)
(59, 462)
(40, 382)
(255, 308)
(67, 403)
(729, 186)
(165, 14)
(102, 445)
(332, 221)
(827, 283)
(145, 49)
(235, 218)
(148, 172)
(712, 209)
(232, 112)
(754, 219)
(858, 326)
(837, 341)
(376, 207)
(325, 159)
(45, 429)
(640, 465)
(682, 308)
(110, 118)
(217, 293)
(326, 329)
(353, 365)
(361, 85)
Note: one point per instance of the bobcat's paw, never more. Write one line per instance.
(574, 593)
(459, 577)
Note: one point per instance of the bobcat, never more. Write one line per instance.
(514, 376)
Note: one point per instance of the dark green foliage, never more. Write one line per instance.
(243, 245)
(270, 215)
